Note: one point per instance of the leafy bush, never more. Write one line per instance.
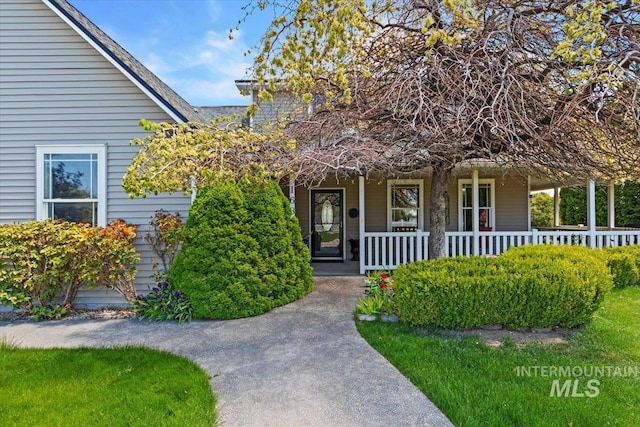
(164, 235)
(243, 253)
(42, 312)
(38, 256)
(110, 257)
(164, 303)
(624, 263)
(530, 286)
(52, 259)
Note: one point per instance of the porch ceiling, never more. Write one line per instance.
(488, 167)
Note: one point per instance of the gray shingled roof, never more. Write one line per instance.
(239, 111)
(170, 99)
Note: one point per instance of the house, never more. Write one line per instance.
(70, 102)
(386, 220)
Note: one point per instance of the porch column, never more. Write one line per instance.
(194, 191)
(361, 252)
(556, 206)
(292, 194)
(528, 202)
(591, 212)
(476, 212)
(611, 214)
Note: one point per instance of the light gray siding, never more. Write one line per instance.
(56, 89)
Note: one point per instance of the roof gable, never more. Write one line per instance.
(167, 99)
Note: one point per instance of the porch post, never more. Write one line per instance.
(194, 191)
(591, 212)
(612, 205)
(528, 202)
(476, 212)
(361, 252)
(292, 194)
(556, 206)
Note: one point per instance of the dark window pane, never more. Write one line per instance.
(467, 219)
(72, 157)
(467, 196)
(405, 197)
(74, 212)
(94, 176)
(71, 179)
(484, 196)
(404, 218)
(47, 177)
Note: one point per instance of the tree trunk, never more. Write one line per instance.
(438, 211)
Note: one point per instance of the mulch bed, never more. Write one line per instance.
(76, 314)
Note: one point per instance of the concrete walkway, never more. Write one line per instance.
(300, 365)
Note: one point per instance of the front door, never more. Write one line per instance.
(327, 231)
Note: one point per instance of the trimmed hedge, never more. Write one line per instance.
(243, 253)
(624, 263)
(530, 286)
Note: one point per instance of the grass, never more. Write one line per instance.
(129, 386)
(476, 385)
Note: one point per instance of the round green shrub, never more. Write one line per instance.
(532, 286)
(243, 253)
(624, 263)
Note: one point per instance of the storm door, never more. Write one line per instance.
(327, 228)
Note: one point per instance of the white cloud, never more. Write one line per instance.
(214, 9)
(222, 41)
(205, 73)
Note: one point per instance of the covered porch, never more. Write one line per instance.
(388, 250)
(487, 214)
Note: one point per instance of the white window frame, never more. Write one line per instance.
(492, 186)
(415, 182)
(98, 149)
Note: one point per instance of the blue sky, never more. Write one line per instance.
(184, 42)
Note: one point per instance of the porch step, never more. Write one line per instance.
(346, 268)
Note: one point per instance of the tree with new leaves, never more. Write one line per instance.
(412, 86)
(186, 156)
(541, 210)
(400, 87)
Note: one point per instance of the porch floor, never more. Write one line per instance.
(346, 268)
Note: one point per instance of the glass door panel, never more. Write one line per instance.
(327, 224)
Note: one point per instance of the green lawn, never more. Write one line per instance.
(475, 385)
(130, 386)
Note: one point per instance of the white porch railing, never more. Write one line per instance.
(384, 251)
(388, 250)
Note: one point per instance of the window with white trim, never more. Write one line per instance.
(486, 205)
(71, 183)
(404, 204)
